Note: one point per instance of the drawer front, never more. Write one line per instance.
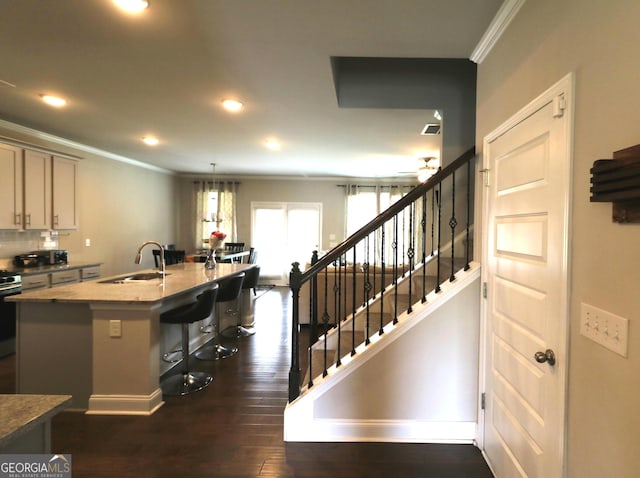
(38, 281)
(89, 273)
(65, 277)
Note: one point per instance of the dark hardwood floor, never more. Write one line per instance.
(233, 428)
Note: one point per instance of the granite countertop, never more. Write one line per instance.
(26, 271)
(179, 278)
(21, 413)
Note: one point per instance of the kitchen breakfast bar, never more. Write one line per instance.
(101, 341)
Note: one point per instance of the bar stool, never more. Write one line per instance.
(188, 381)
(229, 290)
(250, 282)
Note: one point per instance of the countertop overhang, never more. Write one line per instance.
(20, 414)
(179, 278)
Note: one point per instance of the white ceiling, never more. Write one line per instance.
(164, 73)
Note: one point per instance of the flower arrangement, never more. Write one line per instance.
(216, 240)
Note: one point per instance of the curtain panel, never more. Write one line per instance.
(365, 202)
(214, 209)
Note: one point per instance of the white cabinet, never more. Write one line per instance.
(65, 186)
(36, 281)
(37, 190)
(88, 273)
(65, 277)
(10, 187)
(46, 280)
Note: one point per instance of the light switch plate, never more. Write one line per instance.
(115, 328)
(607, 329)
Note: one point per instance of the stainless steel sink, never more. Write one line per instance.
(140, 277)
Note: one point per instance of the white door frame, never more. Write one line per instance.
(565, 86)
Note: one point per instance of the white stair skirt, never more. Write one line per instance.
(416, 383)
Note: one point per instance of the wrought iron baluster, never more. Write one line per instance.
(382, 275)
(353, 306)
(423, 223)
(338, 285)
(411, 256)
(466, 264)
(394, 248)
(453, 222)
(404, 228)
(433, 218)
(325, 320)
(439, 201)
(367, 288)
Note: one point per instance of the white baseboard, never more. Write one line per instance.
(125, 404)
(398, 431)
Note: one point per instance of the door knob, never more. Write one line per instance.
(546, 356)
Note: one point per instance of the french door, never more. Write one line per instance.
(283, 233)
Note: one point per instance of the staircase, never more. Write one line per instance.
(393, 352)
(337, 343)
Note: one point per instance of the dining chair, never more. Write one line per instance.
(231, 247)
(171, 257)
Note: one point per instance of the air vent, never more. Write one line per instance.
(431, 129)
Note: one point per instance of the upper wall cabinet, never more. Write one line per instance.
(65, 187)
(11, 185)
(37, 191)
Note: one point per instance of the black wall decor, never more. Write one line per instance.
(617, 181)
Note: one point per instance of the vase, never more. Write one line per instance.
(210, 261)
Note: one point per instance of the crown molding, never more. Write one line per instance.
(34, 133)
(498, 25)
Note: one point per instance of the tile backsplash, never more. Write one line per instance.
(13, 243)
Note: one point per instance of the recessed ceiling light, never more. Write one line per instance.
(150, 140)
(232, 105)
(132, 6)
(53, 100)
(273, 144)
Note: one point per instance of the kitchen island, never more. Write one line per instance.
(101, 341)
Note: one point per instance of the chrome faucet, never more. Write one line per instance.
(139, 254)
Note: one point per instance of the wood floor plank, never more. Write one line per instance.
(234, 428)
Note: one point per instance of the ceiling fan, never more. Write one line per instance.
(424, 172)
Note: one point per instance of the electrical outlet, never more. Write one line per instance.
(607, 329)
(115, 328)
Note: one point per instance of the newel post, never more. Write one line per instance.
(294, 371)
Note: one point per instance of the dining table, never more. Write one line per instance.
(221, 256)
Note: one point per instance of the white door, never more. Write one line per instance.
(283, 233)
(526, 311)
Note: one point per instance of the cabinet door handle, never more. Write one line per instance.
(27, 219)
(55, 219)
(18, 219)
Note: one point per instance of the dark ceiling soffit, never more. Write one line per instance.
(404, 83)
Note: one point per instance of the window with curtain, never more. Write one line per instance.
(215, 210)
(364, 203)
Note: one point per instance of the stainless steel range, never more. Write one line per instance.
(10, 284)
